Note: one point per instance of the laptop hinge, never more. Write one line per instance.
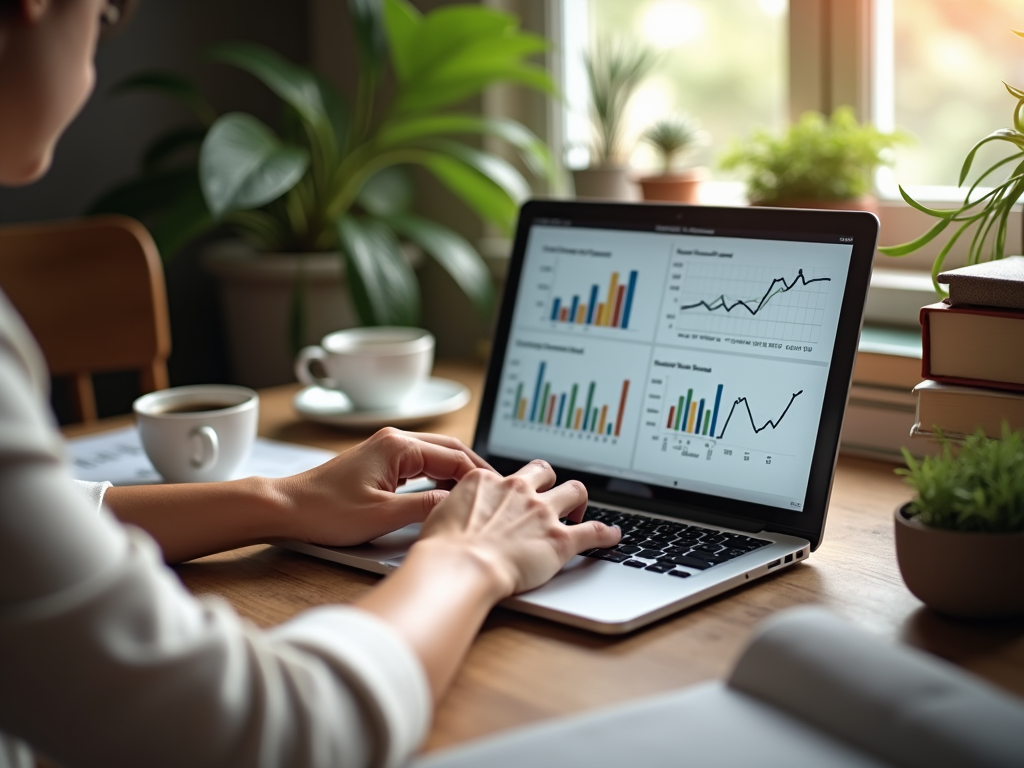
(697, 514)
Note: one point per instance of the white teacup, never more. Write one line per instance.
(376, 367)
(198, 434)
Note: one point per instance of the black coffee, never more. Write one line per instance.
(199, 407)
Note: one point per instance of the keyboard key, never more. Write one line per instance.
(712, 559)
(674, 550)
(652, 544)
(660, 567)
(731, 553)
(680, 574)
(628, 549)
(689, 562)
(650, 554)
(635, 563)
(711, 549)
(611, 556)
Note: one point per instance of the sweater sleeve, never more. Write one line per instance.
(106, 659)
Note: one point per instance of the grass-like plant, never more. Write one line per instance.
(988, 212)
(333, 176)
(673, 138)
(818, 158)
(614, 72)
(975, 486)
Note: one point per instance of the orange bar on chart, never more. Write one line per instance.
(581, 313)
(693, 417)
(618, 306)
(563, 315)
(522, 408)
(622, 407)
(579, 417)
(551, 409)
(604, 418)
(610, 303)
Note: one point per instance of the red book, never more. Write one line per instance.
(973, 346)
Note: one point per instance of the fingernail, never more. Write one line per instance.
(617, 528)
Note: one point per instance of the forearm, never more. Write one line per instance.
(195, 519)
(437, 601)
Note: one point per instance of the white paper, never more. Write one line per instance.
(118, 456)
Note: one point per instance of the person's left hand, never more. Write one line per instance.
(351, 499)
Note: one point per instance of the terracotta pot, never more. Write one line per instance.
(966, 575)
(864, 203)
(674, 188)
(610, 182)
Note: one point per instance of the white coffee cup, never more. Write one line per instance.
(376, 367)
(200, 433)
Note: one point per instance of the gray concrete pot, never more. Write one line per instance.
(256, 294)
(611, 182)
(965, 575)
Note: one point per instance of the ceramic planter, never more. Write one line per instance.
(256, 298)
(610, 182)
(681, 187)
(966, 575)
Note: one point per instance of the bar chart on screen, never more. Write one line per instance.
(572, 399)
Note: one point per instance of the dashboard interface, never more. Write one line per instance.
(689, 360)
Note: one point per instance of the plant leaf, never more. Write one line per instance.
(294, 85)
(424, 95)
(387, 193)
(242, 164)
(383, 286)
(170, 143)
(495, 168)
(534, 151)
(475, 189)
(913, 245)
(173, 86)
(371, 42)
(446, 30)
(401, 22)
(454, 253)
(1002, 134)
(181, 223)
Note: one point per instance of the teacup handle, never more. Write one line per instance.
(305, 375)
(206, 447)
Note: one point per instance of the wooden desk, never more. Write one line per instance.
(523, 669)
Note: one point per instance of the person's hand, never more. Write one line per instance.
(351, 499)
(512, 525)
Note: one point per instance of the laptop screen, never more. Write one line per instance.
(671, 354)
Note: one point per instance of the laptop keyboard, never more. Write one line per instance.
(663, 546)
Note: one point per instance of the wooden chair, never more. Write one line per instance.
(92, 292)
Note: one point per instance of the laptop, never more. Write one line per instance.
(691, 366)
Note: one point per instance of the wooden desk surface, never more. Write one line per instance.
(523, 669)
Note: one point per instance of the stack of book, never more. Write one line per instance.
(973, 352)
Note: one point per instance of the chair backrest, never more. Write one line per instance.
(92, 292)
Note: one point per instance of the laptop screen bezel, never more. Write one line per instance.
(862, 227)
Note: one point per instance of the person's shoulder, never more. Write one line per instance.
(18, 348)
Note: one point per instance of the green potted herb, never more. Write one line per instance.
(333, 178)
(817, 163)
(960, 541)
(987, 210)
(673, 139)
(614, 72)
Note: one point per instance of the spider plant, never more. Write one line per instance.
(987, 211)
(672, 138)
(335, 175)
(614, 72)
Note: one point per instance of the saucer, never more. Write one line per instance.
(434, 397)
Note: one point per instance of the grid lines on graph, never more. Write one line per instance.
(783, 303)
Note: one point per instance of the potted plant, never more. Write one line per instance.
(988, 210)
(614, 72)
(329, 194)
(960, 541)
(673, 138)
(818, 163)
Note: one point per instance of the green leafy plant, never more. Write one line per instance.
(673, 138)
(818, 158)
(988, 212)
(614, 72)
(335, 177)
(976, 486)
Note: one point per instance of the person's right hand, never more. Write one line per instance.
(512, 524)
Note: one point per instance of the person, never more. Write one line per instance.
(105, 659)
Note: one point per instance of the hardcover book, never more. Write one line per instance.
(973, 346)
(998, 283)
(960, 411)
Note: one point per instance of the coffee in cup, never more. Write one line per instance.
(200, 433)
(377, 368)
